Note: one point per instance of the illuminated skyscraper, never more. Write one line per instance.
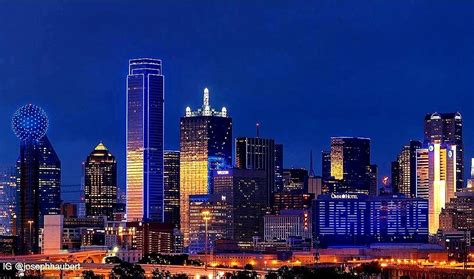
(350, 165)
(257, 154)
(8, 200)
(100, 183)
(436, 178)
(405, 170)
(29, 124)
(446, 128)
(171, 179)
(145, 112)
(49, 179)
(205, 145)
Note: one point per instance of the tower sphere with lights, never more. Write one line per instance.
(30, 122)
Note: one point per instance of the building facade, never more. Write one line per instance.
(350, 165)
(340, 219)
(145, 113)
(49, 179)
(171, 180)
(205, 146)
(446, 129)
(8, 201)
(404, 170)
(219, 224)
(257, 154)
(100, 183)
(295, 179)
(436, 178)
(278, 167)
(246, 192)
(286, 224)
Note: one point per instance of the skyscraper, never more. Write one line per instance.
(350, 164)
(8, 200)
(100, 183)
(446, 128)
(405, 169)
(436, 178)
(49, 179)
(171, 179)
(29, 124)
(246, 192)
(205, 145)
(257, 154)
(145, 113)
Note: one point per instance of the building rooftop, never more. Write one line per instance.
(206, 109)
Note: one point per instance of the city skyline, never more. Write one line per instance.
(339, 82)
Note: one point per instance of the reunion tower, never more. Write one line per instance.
(29, 124)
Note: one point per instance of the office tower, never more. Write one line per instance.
(341, 219)
(29, 124)
(405, 170)
(8, 200)
(205, 146)
(296, 199)
(458, 213)
(257, 154)
(295, 179)
(246, 192)
(49, 179)
(213, 210)
(145, 113)
(350, 164)
(446, 128)
(100, 183)
(436, 178)
(286, 224)
(278, 167)
(171, 180)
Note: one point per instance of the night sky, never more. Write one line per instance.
(305, 71)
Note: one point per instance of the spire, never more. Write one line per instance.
(258, 129)
(100, 146)
(311, 170)
(206, 97)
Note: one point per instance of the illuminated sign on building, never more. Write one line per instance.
(343, 196)
(222, 172)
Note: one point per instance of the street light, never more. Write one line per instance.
(30, 222)
(206, 216)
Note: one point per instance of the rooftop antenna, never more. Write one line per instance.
(258, 129)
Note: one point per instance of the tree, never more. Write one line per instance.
(370, 269)
(126, 270)
(180, 276)
(89, 274)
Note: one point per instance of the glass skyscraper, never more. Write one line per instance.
(100, 183)
(350, 165)
(8, 200)
(205, 145)
(49, 179)
(145, 113)
(257, 154)
(446, 129)
(171, 181)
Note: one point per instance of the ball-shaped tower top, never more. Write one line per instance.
(30, 122)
